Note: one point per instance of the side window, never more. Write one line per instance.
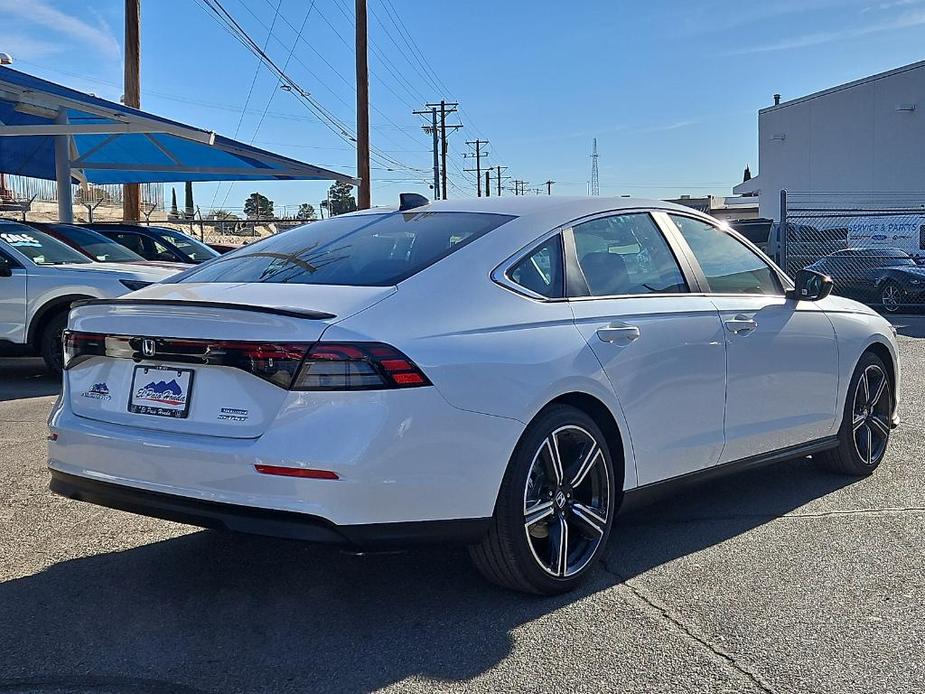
(730, 266)
(541, 271)
(626, 254)
(130, 241)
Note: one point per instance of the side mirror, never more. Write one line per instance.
(810, 286)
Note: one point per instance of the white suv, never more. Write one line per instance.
(40, 278)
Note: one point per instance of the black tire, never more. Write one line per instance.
(50, 345)
(865, 429)
(892, 297)
(510, 555)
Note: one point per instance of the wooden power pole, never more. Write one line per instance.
(131, 192)
(363, 199)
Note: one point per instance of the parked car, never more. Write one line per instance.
(887, 277)
(500, 372)
(222, 248)
(96, 246)
(40, 277)
(157, 243)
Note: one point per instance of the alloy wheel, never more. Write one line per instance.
(891, 298)
(567, 501)
(871, 415)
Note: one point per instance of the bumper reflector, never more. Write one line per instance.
(296, 472)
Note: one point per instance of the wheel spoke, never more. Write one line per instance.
(552, 444)
(870, 444)
(559, 547)
(537, 512)
(882, 427)
(866, 386)
(878, 393)
(590, 517)
(857, 422)
(594, 455)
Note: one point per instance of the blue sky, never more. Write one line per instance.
(670, 89)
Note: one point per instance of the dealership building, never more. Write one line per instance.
(865, 137)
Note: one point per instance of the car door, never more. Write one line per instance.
(781, 356)
(660, 345)
(13, 287)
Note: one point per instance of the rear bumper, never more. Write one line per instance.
(262, 521)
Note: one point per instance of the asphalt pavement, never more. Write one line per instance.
(782, 579)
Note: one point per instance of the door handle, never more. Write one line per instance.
(741, 324)
(618, 332)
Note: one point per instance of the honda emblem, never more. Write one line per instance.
(148, 347)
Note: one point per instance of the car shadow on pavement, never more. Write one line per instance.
(216, 612)
(26, 378)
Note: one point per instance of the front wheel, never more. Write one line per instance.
(555, 508)
(865, 430)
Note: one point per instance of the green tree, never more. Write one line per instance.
(306, 211)
(258, 205)
(342, 201)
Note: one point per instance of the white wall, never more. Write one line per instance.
(848, 139)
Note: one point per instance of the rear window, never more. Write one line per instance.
(97, 245)
(186, 244)
(362, 250)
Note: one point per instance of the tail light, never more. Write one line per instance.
(295, 366)
(357, 366)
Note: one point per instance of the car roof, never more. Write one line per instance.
(529, 205)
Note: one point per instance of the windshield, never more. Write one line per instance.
(39, 247)
(101, 248)
(196, 250)
(360, 250)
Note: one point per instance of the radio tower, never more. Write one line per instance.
(595, 183)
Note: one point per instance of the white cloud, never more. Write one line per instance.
(904, 21)
(20, 46)
(41, 14)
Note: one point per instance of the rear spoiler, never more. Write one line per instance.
(307, 314)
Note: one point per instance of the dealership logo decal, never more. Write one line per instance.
(98, 391)
(164, 392)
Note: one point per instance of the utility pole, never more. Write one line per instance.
(446, 108)
(431, 129)
(364, 194)
(498, 169)
(595, 181)
(519, 187)
(478, 154)
(131, 192)
(488, 183)
(549, 187)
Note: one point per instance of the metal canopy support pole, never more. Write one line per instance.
(63, 172)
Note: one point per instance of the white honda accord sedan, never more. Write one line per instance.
(498, 372)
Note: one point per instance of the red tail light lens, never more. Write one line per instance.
(357, 366)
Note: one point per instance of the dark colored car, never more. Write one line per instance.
(886, 277)
(157, 243)
(223, 248)
(92, 244)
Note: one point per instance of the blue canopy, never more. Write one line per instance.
(111, 143)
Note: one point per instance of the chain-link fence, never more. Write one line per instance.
(873, 246)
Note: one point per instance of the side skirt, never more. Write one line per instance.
(646, 494)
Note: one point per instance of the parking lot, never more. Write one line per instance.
(782, 579)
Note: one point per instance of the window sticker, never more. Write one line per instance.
(21, 240)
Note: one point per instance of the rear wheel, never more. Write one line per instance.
(865, 429)
(555, 508)
(50, 344)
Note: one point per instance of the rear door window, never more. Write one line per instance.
(626, 254)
